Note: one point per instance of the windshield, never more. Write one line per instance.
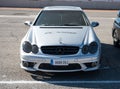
(61, 18)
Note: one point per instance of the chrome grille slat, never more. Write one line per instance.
(60, 50)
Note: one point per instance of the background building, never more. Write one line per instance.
(89, 4)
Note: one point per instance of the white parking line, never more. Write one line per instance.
(17, 16)
(32, 16)
(59, 82)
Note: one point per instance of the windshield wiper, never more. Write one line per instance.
(71, 24)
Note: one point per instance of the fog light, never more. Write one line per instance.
(91, 64)
(28, 64)
(25, 64)
(94, 64)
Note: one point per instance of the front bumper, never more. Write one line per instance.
(36, 63)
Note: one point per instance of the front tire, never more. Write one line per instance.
(115, 39)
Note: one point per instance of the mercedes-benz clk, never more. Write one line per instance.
(60, 39)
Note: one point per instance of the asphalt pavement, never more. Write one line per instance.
(12, 30)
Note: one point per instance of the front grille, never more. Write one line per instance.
(60, 50)
(48, 66)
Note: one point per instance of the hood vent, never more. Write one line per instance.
(60, 50)
(77, 27)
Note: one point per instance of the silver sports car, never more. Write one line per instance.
(60, 39)
(116, 31)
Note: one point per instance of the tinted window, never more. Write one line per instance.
(61, 18)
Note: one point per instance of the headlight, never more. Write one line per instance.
(85, 49)
(35, 49)
(93, 47)
(27, 47)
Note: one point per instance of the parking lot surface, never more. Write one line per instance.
(12, 30)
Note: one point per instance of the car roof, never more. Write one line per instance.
(73, 8)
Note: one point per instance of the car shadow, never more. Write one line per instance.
(109, 67)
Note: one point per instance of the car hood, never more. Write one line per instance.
(59, 35)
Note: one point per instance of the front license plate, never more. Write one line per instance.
(59, 62)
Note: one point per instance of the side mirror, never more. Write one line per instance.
(118, 15)
(28, 23)
(94, 24)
